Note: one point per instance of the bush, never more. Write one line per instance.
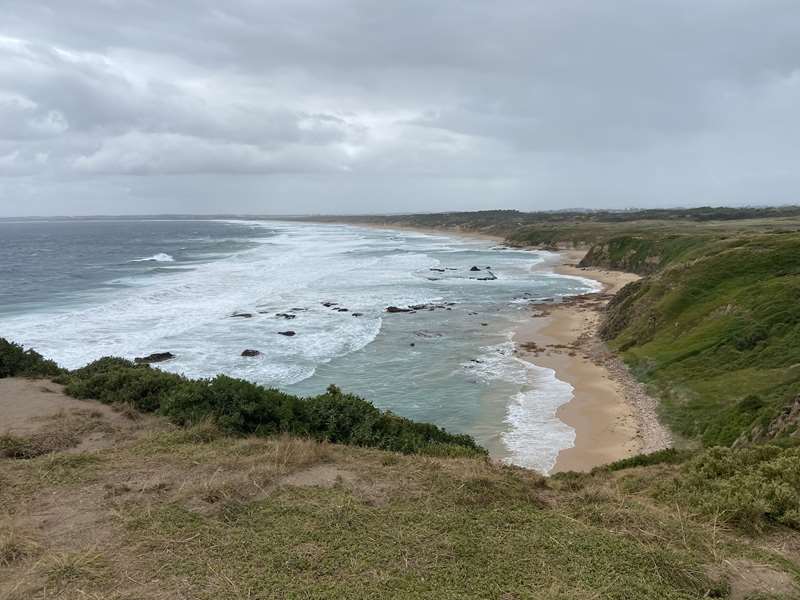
(240, 407)
(15, 361)
(669, 456)
(237, 406)
(114, 380)
(749, 487)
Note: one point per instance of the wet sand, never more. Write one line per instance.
(612, 416)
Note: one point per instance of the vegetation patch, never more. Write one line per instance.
(750, 487)
(15, 361)
(239, 407)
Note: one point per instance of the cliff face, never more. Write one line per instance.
(641, 254)
(786, 424)
(715, 332)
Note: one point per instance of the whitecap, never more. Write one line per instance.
(160, 257)
(536, 435)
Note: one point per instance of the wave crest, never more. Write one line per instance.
(160, 257)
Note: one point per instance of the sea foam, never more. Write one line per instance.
(160, 257)
(535, 435)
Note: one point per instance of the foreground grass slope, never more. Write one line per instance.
(163, 512)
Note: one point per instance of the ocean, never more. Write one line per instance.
(76, 290)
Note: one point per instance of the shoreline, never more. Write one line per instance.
(612, 415)
(477, 235)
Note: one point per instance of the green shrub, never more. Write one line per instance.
(669, 456)
(239, 407)
(15, 361)
(749, 487)
(114, 380)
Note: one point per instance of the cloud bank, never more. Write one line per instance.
(355, 106)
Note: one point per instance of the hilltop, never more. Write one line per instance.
(117, 504)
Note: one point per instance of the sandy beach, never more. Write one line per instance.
(612, 415)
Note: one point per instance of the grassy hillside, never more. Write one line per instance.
(163, 512)
(716, 333)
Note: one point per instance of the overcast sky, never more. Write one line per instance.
(298, 106)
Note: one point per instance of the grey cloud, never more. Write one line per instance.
(457, 103)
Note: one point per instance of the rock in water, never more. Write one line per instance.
(397, 309)
(474, 268)
(286, 315)
(242, 315)
(251, 353)
(287, 333)
(154, 358)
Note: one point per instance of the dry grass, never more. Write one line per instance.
(15, 545)
(190, 513)
(58, 432)
(37, 444)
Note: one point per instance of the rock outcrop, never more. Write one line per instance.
(156, 357)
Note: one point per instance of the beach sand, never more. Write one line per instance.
(612, 415)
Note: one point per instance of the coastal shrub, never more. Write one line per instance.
(749, 487)
(669, 456)
(115, 381)
(236, 406)
(15, 361)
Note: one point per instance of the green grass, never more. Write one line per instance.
(717, 335)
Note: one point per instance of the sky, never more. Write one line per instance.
(362, 106)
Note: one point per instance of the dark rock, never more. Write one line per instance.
(412, 344)
(432, 278)
(342, 310)
(242, 315)
(295, 309)
(484, 324)
(251, 353)
(154, 358)
(286, 315)
(287, 333)
(474, 268)
(427, 334)
(437, 270)
(397, 309)
(329, 304)
(357, 314)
